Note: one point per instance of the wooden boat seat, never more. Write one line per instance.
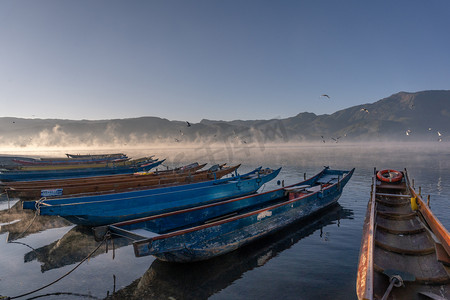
(296, 189)
(405, 243)
(425, 268)
(328, 179)
(144, 233)
(393, 202)
(396, 216)
(313, 189)
(398, 210)
(399, 226)
(391, 186)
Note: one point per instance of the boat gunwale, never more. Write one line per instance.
(37, 184)
(234, 218)
(122, 185)
(134, 221)
(435, 225)
(225, 181)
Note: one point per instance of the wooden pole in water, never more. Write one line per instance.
(428, 201)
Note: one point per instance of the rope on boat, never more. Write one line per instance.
(108, 237)
(73, 269)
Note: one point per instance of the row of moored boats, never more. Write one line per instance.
(196, 212)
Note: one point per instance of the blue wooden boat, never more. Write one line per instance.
(207, 231)
(16, 175)
(129, 194)
(111, 208)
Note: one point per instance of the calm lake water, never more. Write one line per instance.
(313, 259)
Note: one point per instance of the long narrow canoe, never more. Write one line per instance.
(117, 185)
(112, 208)
(193, 167)
(79, 163)
(68, 161)
(94, 156)
(404, 249)
(130, 194)
(14, 175)
(207, 231)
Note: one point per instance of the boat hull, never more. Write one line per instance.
(97, 213)
(234, 234)
(115, 185)
(400, 241)
(216, 237)
(73, 173)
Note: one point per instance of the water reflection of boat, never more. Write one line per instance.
(72, 248)
(19, 223)
(200, 280)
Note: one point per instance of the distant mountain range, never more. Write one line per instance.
(420, 116)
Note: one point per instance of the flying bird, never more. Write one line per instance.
(439, 134)
(364, 110)
(325, 95)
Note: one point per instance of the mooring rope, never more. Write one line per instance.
(64, 293)
(55, 281)
(32, 221)
(26, 229)
(20, 243)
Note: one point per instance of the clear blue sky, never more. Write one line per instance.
(220, 60)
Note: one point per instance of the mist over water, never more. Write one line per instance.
(316, 259)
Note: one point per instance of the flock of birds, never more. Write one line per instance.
(439, 134)
(334, 139)
(365, 110)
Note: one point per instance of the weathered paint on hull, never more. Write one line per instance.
(227, 236)
(59, 174)
(121, 184)
(125, 195)
(112, 211)
(200, 214)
